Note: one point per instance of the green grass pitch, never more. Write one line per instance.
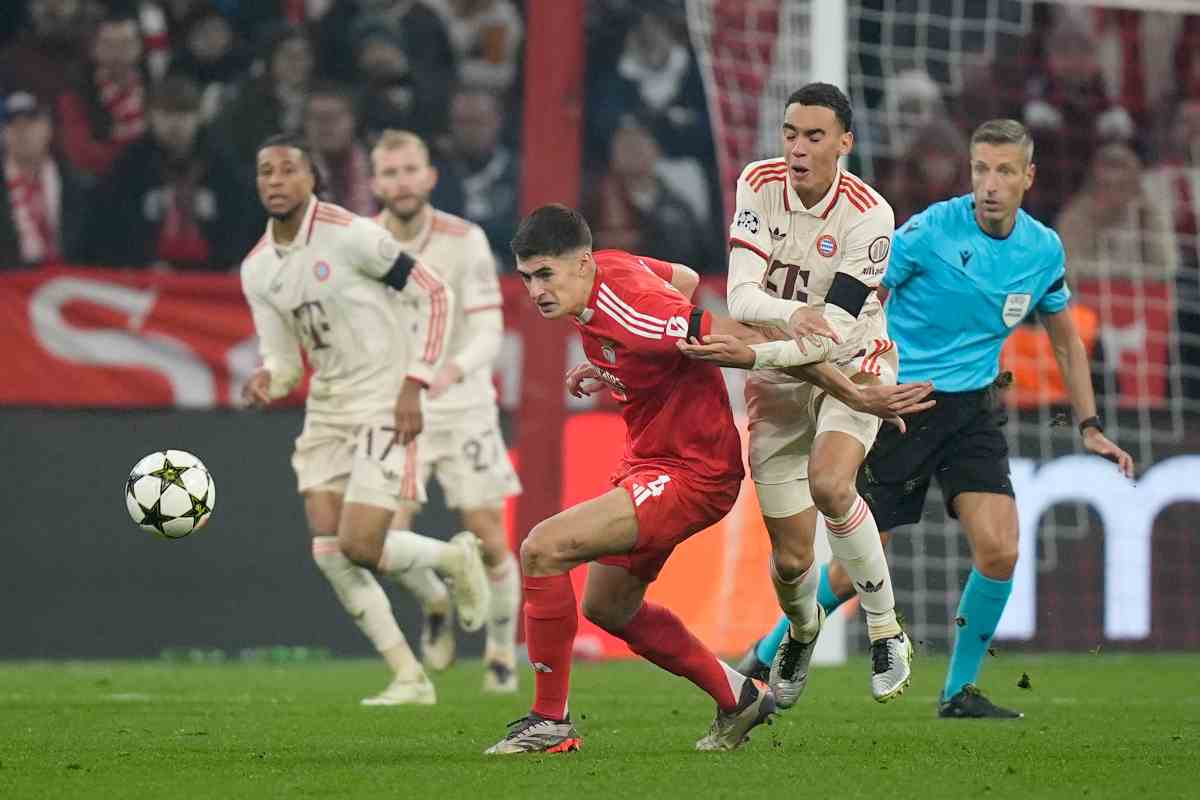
(1096, 726)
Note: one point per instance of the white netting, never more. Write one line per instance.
(1105, 87)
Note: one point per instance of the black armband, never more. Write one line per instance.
(847, 293)
(1091, 422)
(397, 276)
(1058, 284)
(695, 323)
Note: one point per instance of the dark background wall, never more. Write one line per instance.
(78, 579)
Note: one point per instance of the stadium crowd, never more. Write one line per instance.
(129, 128)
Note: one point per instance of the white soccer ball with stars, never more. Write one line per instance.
(170, 494)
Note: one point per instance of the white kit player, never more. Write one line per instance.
(809, 244)
(461, 443)
(325, 280)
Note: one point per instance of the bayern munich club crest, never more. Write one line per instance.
(826, 245)
(322, 270)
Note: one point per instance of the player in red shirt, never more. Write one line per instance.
(680, 473)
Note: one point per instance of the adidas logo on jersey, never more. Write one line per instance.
(778, 235)
(871, 588)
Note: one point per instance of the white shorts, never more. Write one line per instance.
(364, 463)
(470, 461)
(785, 420)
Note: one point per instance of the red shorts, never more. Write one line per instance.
(670, 507)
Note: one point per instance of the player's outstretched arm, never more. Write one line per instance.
(1072, 360)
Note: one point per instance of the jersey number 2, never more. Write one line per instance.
(790, 290)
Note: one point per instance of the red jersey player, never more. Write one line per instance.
(681, 473)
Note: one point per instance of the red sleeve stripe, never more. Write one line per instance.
(436, 335)
(773, 164)
(734, 242)
(475, 309)
(864, 192)
(766, 177)
(870, 364)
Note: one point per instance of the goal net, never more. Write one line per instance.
(1111, 91)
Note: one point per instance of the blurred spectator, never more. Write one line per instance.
(936, 166)
(1177, 182)
(912, 100)
(416, 28)
(47, 53)
(486, 36)
(397, 95)
(1068, 111)
(171, 201)
(105, 111)
(486, 169)
(273, 102)
(1113, 228)
(208, 50)
(656, 78)
(42, 203)
(330, 126)
(633, 208)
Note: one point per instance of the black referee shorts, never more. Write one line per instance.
(960, 441)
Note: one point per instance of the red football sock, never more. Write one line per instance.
(661, 638)
(550, 624)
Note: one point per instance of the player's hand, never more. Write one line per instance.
(808, 321)
(583, 380)
(446, 377)
(719, 348)
(891, 403)
(408, 412)
(1096, 442)
(256, 393)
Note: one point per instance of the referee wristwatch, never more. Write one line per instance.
(1091, 422)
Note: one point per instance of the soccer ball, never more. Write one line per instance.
(170, 494)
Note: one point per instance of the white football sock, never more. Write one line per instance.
(506, 598)
(854, 540)
(405, 551)
(428, 588)
(365, 601)
(798, 600)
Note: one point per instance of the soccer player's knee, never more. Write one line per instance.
(997, 558)
(832, 494)
(538, 552)
(793, 561)
(359, 551)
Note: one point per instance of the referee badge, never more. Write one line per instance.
(1016, 306)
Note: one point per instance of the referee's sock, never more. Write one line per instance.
(767, 645)
(979, 609)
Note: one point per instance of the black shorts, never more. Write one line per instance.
(960, 441)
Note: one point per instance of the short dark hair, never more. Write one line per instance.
(301, 144)
(827, 95)
(550, 231)
(1005, 131)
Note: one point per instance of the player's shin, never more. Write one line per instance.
(367, 604)
(551, 620)
(405, 552)
(506, 596)
(661, 638)
(798, 601)
(854, 540)
(428, 589)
